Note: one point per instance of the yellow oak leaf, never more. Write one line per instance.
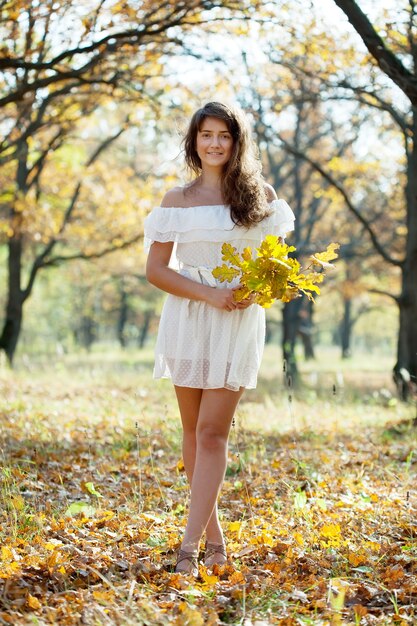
(231, 255)
(356, 559)
(208, 579)
(189, 616)
(234, 526)
(104, 597)
(323, 258)
(33, 602)
(6, 553)
(298, 538)
(330, 531)
(237, 578)
(225, 273)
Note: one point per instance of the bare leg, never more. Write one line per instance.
(217, 407)
(189, 400)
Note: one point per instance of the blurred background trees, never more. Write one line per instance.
(70, 70)
(94, 98)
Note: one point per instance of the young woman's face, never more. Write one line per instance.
(214, 142)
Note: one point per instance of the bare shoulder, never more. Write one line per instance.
(270, 192)
(173, 198)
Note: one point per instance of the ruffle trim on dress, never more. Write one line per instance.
(281, 221)
(212, 223)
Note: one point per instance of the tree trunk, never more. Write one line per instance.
(268, 332)
(16, 296)
(145, 328)
(290, 324)
(305, 328)
(123, 314)
(15, 300)
(405, 370)
(346, 328)
(87, 332)
(307, 339)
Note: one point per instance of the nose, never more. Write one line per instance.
(214, 140)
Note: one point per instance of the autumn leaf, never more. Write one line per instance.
(189, 616)
(225, 273)
(247, 254)
(208, 579)
(323, 258)
(77, 508)
(33, 602)
(331, 531)
(273, 247)
(6, 554)
(235, 527)
(104, 597)
(237, 578)
(241, 294)
(89, 488)
(356, 559)
(298, 538)
(230, 255)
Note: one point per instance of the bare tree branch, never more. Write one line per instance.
(381, 292)
(36, 169)
(40, 261)
(360, 91)
(53, 261)
(337, 185)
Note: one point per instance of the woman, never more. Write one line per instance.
(208, 344)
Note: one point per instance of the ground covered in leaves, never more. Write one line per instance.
(318, 506)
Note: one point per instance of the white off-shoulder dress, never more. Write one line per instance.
(199, 345)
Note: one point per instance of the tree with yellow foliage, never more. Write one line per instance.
(62, 60)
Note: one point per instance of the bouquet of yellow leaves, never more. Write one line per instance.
(272, 275)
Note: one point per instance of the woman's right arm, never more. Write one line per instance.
(159, 274)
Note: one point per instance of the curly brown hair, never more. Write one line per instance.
(242, 184)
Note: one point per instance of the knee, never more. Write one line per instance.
(189, 432)
(211, 439)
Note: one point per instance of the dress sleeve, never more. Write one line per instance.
(179, 225)
(158, 227)
(281, 221)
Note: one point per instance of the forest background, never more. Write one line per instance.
(93, 109)
(94, 98)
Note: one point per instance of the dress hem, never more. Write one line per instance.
(230, 388)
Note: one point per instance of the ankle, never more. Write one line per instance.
(191, 547)
(214, 538)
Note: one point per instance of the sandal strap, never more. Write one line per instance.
(183, 555)
(213, 548)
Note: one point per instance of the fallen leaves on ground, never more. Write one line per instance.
(320, 525)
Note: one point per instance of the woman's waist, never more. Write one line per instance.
(198, 273)
(203, 274)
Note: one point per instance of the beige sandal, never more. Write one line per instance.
(192, 558)
(211, 550)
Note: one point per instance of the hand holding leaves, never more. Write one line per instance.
(272, 275)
